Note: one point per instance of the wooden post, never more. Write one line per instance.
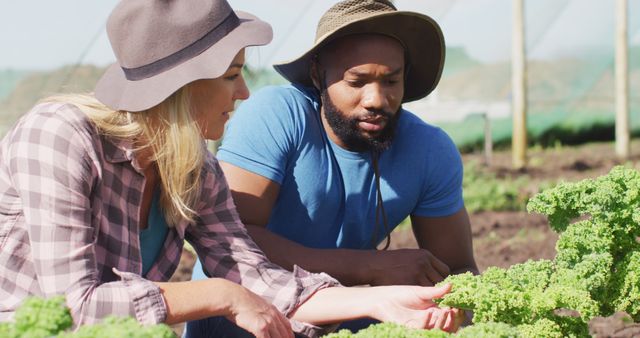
(622, 81)
(488, 140)
(518, 90)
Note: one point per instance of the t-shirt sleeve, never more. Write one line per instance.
(261, 133)
(442, 186)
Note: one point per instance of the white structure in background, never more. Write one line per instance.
(434, 110)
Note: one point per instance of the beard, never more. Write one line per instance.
(347, 129)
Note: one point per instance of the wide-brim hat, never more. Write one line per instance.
(160, 46)
(419, 34)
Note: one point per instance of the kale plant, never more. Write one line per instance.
(596, 271)
(45, 318)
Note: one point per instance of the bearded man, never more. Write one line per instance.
(322, 170)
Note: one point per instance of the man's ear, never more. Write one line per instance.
(313, 73)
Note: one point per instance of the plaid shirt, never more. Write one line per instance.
(69, 222)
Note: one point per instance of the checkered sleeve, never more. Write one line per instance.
(227, 251)
(53, 166)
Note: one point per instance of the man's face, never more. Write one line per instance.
(361, 79)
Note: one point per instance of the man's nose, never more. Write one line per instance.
(374, 97)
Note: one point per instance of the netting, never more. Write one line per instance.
(570, 59)
(570, 47)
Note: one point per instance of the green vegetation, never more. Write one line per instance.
(596, 271)
(40, 318)
(388, 330)
(258, 78)
(483, 191)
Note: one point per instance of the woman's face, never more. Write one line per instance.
(214, 99)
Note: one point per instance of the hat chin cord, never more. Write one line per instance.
(380, 212)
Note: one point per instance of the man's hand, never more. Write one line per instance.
(404, 267)
(413, 306)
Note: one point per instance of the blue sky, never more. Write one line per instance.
(41, 34)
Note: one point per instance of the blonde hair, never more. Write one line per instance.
(171, 132)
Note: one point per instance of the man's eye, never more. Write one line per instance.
(355, 83)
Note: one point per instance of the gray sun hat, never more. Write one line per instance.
(162, 45)
(420, 35)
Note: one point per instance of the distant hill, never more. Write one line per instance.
(258, 78)
(29, 87)
(574, 91)
(8, 80)
(38, 85)
(457, 60)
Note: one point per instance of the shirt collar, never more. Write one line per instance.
(118, 150)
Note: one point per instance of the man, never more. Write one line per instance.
(322, 170)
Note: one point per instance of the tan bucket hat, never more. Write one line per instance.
(162, 45)
(419, 34)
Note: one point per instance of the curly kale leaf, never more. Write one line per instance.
(500, 295)
(581, 239)
(121, 327)
(541, 328)
(489, 330)
(389, 330)
(7, 330)
(46, 318)
(610, 202)
(38, 317)
(626, 286)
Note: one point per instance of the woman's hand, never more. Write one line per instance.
(412, 306)
(252, 313)
(210, 297)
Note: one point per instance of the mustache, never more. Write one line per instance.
(376, 113)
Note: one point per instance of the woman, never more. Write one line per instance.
(99, 193)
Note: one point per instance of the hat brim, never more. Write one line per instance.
(420, 34)
(119, 93)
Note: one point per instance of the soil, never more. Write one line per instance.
(506, 238)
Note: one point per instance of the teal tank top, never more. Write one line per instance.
(152, 238)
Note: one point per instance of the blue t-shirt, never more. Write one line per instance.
(327, 195)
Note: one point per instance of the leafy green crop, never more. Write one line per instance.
(596, 271)
(40, 318)
(484, 192)
(388, 330)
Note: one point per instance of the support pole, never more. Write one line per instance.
(622, 81)
(488, 140)
(518, 84)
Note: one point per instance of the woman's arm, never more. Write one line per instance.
(411, 306)
(195, 300)
(53, 166)
(227, 251)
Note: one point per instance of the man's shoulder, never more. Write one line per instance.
(417, 140)
(413, 129)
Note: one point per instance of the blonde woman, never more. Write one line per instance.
(99, 192)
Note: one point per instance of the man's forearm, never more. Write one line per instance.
(346, 265)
